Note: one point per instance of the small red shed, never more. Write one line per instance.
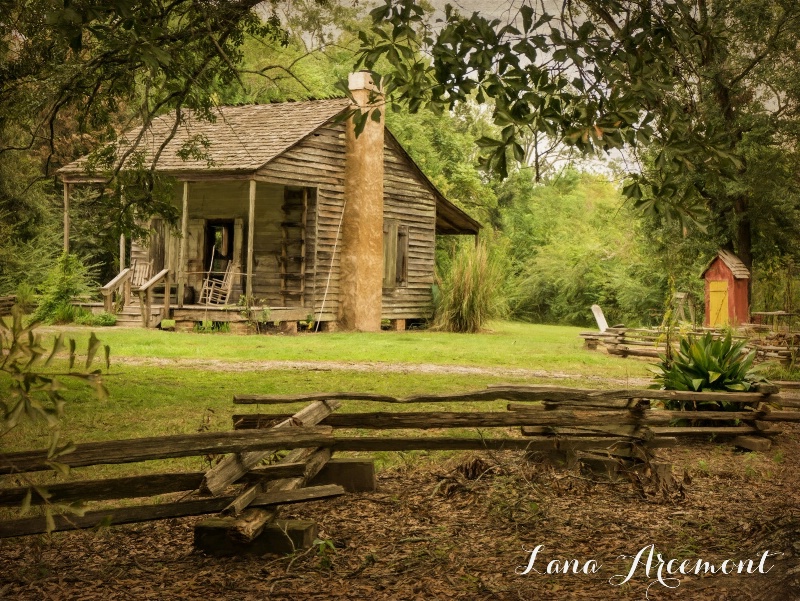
(727, 280)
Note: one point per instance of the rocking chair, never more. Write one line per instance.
(218, 291)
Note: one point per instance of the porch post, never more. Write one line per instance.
(66, 217)
(121, 252)
(251, 233)
(182, 249)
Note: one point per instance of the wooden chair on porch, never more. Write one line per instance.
(218, 291)
(141, 272)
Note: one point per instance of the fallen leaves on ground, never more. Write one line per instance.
(462, 530)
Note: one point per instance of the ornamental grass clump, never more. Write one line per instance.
(470, 293)
(707, 364)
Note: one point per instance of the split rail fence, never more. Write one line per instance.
(245, 492)
(643, 342)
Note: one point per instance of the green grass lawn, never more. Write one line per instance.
(505, 344)
(182, 396)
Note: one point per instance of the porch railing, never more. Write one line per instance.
(146, 296)
(121, 281)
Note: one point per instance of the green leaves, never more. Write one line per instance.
(38, 397)
(705, 364)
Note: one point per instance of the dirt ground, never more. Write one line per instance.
(463, 529)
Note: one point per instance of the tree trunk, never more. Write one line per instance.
(744, 238)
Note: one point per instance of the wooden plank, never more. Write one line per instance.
(134, 486)
(753, 443)
(629, 431)
(182, 258)
(253, 520)
(677, 395)
(251, 228)
(372, 444)
(780, 416)
(491, 394)
(269, 399)
(441, 419)
(660, 415)
(553, 394)
(165, 447)
(233, 467)
(717, 430)
(143, 513)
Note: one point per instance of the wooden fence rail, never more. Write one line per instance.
(546, 419)
(556, 394)
(639, 342)
(167, 447)
(550, 417)
(310, 449)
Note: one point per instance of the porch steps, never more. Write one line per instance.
(131, 315)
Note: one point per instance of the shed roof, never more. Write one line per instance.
(242, 139)
(732, 262)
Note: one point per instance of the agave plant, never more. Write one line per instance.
(706, 364)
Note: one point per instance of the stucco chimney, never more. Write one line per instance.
(361, 277)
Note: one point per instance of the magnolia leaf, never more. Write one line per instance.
(62, 468)
(65, 450)
(72, 347)
(43, 492)
(75, 508)
(107, 350)
(58, 344)
(25, 506)
(94, 346)
(48, 517)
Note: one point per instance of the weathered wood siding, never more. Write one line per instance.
(317, 162)
(229, 200)
(408, 200)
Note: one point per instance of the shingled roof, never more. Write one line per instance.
(243, 138)
(734, 263)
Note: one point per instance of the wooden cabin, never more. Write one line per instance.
(726, 296)
(292, 211)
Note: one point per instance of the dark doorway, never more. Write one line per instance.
(219, 246)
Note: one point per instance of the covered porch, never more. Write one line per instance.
(239, 256)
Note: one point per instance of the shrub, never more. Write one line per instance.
(66, 314)
(85, 318)
(68, 279)
(470, 293)
(26, 297)
(705, 364)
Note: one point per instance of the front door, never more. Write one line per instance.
(718, 303)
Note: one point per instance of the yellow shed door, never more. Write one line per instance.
(718, 303)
